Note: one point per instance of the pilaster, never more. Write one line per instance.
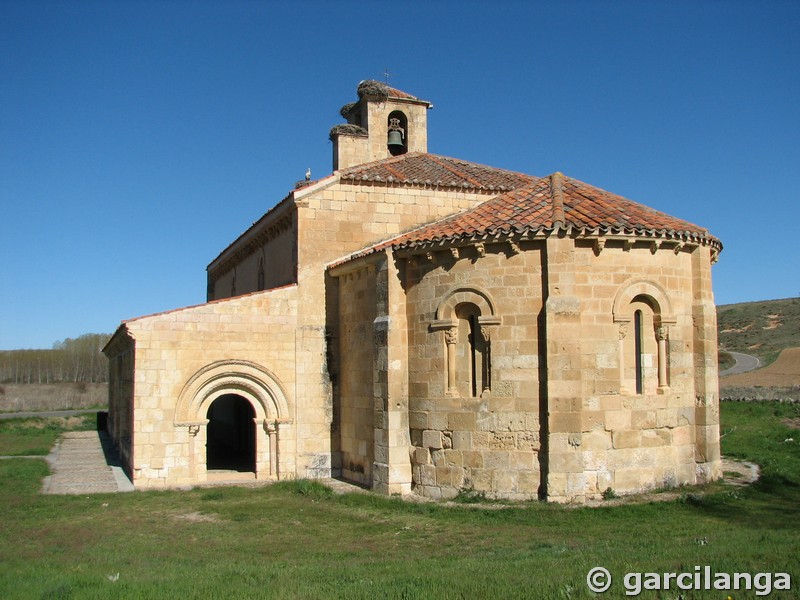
(706, 372)
(391, 470)
(565, 469)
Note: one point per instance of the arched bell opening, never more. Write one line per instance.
(397, 133)
(231, 434)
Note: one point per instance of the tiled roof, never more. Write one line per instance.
(547, 204)
(395, 93)
(423, 169)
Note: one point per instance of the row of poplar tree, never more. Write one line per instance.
(78, 360)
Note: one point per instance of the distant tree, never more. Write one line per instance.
(78, 360)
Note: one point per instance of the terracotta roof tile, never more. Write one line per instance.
(553, 200)
(423, 169)
(547, 204)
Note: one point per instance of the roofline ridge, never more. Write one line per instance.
(557, 195)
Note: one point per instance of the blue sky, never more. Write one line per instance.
(138, 139)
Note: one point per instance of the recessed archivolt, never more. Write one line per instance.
(472, 294)
(249, 380)
(650, 292)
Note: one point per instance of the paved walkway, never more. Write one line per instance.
(85, 462)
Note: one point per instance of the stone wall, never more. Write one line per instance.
(485, 438)
(561, 415)
(264, 266)
(357, 302)
(186, 358)
(334, 220)
(120, 351)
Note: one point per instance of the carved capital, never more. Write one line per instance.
(194, 430)
(451, 336)
(623, 331)
(662, 333)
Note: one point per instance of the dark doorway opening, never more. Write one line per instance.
(231, 435)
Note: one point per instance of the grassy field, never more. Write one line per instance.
(35, 437)
(26, 397)
(299, 540)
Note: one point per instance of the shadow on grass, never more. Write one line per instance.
(773, 502)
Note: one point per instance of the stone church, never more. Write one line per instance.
(422, 324)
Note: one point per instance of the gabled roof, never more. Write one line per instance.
(416, 168)
(546, 205)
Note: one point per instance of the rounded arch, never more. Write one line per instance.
(249, 380)
(460, 295)
(648, 291)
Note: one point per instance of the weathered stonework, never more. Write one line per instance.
(390, 325)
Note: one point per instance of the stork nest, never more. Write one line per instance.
(370, 87)
(347, 129)
(345, 110)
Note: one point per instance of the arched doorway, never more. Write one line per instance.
(231, 435)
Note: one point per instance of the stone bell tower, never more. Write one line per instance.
(383, 122)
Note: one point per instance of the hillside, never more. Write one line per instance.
(762, 329)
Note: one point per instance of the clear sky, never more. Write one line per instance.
(138, 139)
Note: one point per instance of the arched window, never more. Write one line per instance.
(640, 350)
(473, 365)
(465, 316)
(638, 344)
(643, 353)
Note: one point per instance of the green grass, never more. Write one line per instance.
(299, 540)
(36, 436)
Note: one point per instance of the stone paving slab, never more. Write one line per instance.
(84, 462)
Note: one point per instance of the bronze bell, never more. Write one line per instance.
(395, 140)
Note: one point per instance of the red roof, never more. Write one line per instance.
(416, 168)
(547, 204)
